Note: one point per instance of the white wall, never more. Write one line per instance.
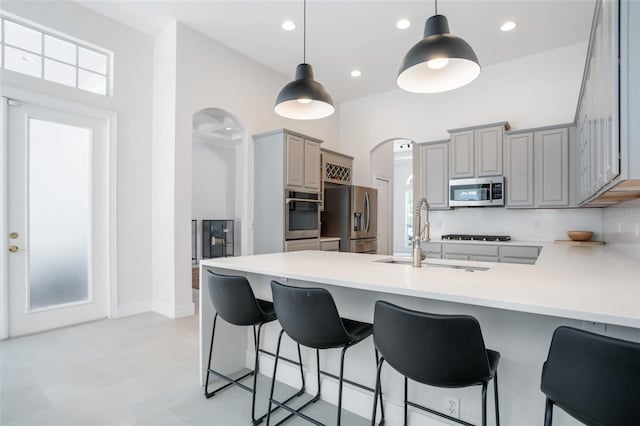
(132, 101)
(209, 74)
(164, 224)
(531, 91)
(622, 228)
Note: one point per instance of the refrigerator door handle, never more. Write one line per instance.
(368, 213)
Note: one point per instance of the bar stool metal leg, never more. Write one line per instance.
(495, 395)
(484, 404)
(406, 388)
(374, 399)
(230, 381)
(340, 383)
(377, 392)
(548, 412)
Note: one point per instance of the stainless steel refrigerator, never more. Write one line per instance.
(350, 212)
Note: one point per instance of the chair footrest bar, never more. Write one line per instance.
(324, 373)
(231, 382)
(264, 416)
(437, 413)
(298, 411)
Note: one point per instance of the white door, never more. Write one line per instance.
(58, 212)
(384, 215)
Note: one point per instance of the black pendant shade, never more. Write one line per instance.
(304, 98)
(439, 62)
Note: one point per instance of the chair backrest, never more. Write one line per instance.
(437, 350)
(309, 316)
(233, 299)
(594, 378)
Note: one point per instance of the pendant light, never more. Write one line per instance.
(304, 98)
(439, 62)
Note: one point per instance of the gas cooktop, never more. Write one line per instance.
(468, 237)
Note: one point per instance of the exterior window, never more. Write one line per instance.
(41, 53)
(408, 217)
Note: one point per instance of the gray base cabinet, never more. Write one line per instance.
(504, 253)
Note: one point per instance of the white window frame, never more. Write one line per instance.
(5, 16)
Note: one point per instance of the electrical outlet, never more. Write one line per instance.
(594, 327)
(452, 406)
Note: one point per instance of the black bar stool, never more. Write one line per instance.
(234, 301)
(309, 316)
(437, 350)
(594, 378)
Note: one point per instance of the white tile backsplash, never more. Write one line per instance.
(529, 225)
(622, 228)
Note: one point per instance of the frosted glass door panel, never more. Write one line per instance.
(59, 200)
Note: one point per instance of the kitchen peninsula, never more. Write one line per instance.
(518, 307)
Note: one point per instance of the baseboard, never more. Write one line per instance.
(129, 309)
(354, 399)
(174, 311)
(184, 310)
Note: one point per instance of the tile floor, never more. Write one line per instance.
(139, 370)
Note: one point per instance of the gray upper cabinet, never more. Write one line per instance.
(462, 154)
(295, 161)
(302, 168)
(519, 170)
(312, 165)
(477, 151)
(434, 166)
(551, 151)
(488, 151)
(598, 146)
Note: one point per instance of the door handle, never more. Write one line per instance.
(13, 235)
(366, 203)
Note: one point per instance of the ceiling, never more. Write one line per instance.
(345, 35)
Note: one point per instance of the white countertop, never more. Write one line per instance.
(591, 283)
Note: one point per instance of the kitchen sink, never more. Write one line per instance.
(408, 261)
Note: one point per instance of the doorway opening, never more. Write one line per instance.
(392, 160)
(218, 183)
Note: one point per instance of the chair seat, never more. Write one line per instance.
(357, 330)
(494, 359)
(267, 309)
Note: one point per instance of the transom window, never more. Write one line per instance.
(42, 53)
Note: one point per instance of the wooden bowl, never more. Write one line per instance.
(580, 235)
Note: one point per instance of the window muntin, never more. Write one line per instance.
(35, 51)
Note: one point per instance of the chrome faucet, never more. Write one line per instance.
(419, 233)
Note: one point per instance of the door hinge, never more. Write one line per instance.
(12, 102)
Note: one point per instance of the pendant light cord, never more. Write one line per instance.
(304, 31)
(436, 7)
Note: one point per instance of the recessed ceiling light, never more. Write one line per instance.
(403, 24)
(508, 26)
(288, 25)
(227, 128)
(356, 73)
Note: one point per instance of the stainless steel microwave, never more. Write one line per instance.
(480, 192)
